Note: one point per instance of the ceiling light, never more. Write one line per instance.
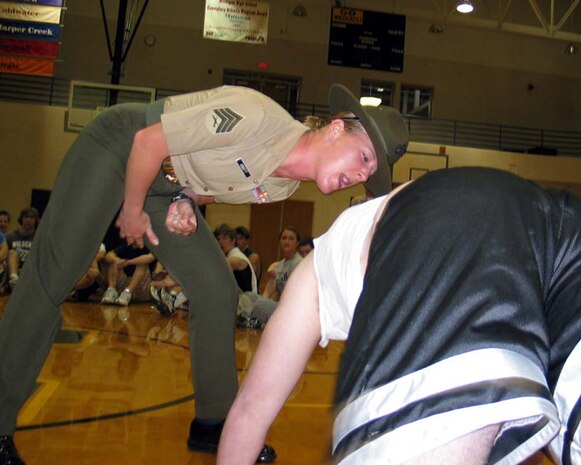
(465, 6)
(571, 49)
(436, 28)
(370, 101)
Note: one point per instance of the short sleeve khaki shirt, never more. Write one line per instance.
(226, 142)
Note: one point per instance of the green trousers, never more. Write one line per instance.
(86, 197)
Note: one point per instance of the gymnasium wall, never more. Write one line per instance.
(478, 75)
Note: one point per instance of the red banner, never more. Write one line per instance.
(31, 48)
(26, 66)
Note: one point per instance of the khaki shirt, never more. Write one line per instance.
(226, 142)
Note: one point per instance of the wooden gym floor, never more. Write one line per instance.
(116, 389)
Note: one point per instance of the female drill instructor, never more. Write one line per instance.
(229, 144)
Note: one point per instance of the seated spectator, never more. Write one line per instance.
(166, 293)
(255, 310)
(20, 242)
(240, 264)
(306, 244)
(4, 221)
(128, 275)
(3, 264)
(279, 272)
(89, 282)
(242, 240)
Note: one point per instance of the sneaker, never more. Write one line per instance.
(8, 453)
(157, 303)
(205, 438)
(124, 298)
(181, 302)
(12, 281)
(154, 293)
(110, 296)
(168, 300)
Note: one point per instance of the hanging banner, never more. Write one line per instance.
(26, 66)
(29, 31)
(41, 2)
(32, 48)
(236, 21)
(27, 12)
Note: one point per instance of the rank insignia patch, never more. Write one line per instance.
(224, 120)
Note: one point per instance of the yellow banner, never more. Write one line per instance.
(236, 21)
(34, 13)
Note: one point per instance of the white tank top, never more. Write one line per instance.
(337, 263)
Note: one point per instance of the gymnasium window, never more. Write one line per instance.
(378, 89)
(416, 101)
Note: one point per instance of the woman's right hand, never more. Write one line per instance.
(133, 226)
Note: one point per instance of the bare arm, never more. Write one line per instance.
(3, 251)
(145, 259)
(255, 261)
(236, 263)
(270, 291)
(285, 348)
(147, 153)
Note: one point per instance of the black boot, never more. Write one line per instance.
(8, 453)
(205, 438)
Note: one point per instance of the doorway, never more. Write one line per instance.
(266, 222)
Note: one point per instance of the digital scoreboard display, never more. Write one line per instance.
(366, 39)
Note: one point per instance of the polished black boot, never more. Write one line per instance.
(8, 453)
(205, 438)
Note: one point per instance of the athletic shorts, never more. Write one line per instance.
(470, 316)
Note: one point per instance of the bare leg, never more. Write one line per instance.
(471, 449)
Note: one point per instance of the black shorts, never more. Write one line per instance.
(470, 316)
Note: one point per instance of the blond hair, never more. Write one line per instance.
(352, 123)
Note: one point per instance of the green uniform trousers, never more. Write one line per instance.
(86, 197)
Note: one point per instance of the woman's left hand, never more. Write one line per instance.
(181, 218)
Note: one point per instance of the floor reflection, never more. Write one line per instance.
(116, 388)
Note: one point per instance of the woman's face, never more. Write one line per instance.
(347, 159)
(288, 241)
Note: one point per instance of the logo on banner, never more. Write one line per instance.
(223, 120)
(29, 30)
(29, 12)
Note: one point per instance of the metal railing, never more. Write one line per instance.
(55, 91)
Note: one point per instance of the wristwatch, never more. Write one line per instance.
(181, 196)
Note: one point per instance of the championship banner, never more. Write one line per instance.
(236, 21)
(26, 66)
(29, 31)
(41, 2)
(32, 48)
(27, 12)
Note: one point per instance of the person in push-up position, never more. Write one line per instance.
(459, 296)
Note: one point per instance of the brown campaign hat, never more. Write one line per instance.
(386, 129)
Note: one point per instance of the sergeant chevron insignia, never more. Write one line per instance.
(224, 120)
